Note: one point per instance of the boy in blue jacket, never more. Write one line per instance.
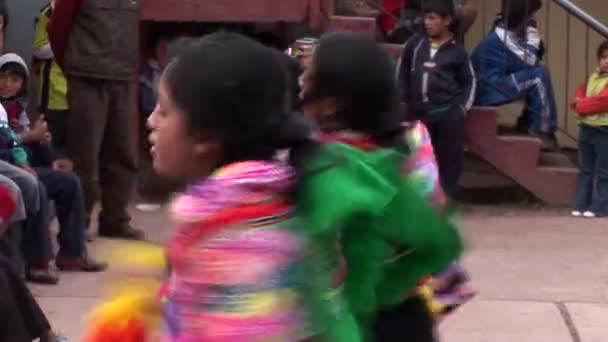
(508, 65)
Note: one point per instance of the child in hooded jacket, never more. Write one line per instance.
(26, 152)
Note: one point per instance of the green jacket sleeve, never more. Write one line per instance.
(431, 244)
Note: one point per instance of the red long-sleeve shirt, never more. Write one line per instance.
(591, 105)
(60, 26)
(387, 22)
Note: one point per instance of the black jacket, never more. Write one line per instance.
(441, 87)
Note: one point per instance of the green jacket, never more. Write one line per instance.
(390, 237)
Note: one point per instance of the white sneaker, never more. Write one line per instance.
(576, 213)
(588, 214)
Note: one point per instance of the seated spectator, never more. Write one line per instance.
(10, 224)
(63, 187)
(22, 318)
(438, 85)
(19, 213)
(508, 66)
(591, 105)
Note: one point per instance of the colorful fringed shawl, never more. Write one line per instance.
(236, 272)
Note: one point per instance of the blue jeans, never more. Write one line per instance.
(532, 84)
(592, 191)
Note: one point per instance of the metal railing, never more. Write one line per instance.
(583, 16)
(575, 16)
(570, 36)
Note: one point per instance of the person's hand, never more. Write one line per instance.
(38, 131)
(63, 164)
(574, 102)
(48, 138)
(29, 170)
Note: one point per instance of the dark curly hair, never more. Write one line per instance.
(602, 49)
(232, 89)
(356, 70)
(516, 12)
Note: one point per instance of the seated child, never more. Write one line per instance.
(62, 187)
(508, 65)
(591, 105)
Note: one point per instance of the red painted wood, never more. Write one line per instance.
(315, 14)
(226, 10)
(352, 24)
(518, 158)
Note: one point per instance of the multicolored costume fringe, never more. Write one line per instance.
(447, 291)
(133, 312)
(236, 271)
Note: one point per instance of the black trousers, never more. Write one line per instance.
(411, 321)
(447, 136)
(21, 317)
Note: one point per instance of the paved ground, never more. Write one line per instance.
(542, 277)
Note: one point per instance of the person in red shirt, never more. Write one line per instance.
(591, 105)
(7, 208)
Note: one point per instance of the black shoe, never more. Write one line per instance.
(548, 142)
(126, 233)
(41, 276)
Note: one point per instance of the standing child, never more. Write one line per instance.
(438, 84)
(591, 105)
(53, 102)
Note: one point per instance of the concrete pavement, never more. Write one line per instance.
(541, 276)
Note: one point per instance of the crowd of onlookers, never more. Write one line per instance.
(440, 82)
(69, 155)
